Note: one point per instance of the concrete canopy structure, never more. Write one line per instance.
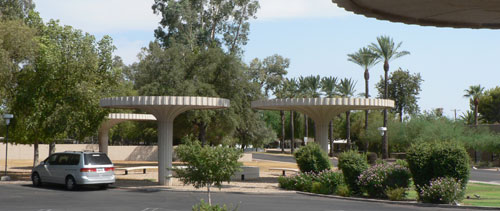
(322, 110)
(165, 109)
(440, 13)
(113, 119)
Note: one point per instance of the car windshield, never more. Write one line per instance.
(97, 159)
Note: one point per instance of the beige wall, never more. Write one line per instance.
(132, 153)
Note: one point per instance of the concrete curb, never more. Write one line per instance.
(410, 203)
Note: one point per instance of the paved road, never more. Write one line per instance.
(476, 175)
(281, 158)
(26, 197)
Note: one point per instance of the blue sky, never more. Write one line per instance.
(316, 36)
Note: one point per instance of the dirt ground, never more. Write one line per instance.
(19, 171)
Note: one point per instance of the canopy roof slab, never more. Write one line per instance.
(115, 118)
(441, 13)
(322, 110)
(165, 109)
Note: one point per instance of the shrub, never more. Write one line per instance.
(343, 190)
(442, 190)
(428, 161)
(402, 163)
(287, 183)
(311, 158)
(318, 187)
(303, 181)
(378, 178)
(352, 165)
(330, 180)
(203, 206)
(396, 194)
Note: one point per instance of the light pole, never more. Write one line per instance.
(7, 118)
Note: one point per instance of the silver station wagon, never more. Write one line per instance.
(74, 168)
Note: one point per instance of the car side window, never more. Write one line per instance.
(52, 159)
(62, 159)
(74, 159)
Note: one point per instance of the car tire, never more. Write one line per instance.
(70, 183)
(37, 181)
(104, 186)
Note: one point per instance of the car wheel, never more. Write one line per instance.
(70, 183)
(37, 181)
(103, 186)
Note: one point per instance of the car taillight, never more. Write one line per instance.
(88, 170)
(110, 169)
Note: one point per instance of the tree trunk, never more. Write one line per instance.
(282, 114)
(348, 128)
(52, 148)
(306, 125)
(367, 95)
(401, 115)
(385, 140)
(202, 127)
(331, 137)
(292, 136)
(476, 105)
(36, 155)
(209, 197)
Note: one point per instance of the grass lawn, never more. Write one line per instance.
(489, 195)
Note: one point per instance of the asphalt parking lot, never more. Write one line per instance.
(15, 197)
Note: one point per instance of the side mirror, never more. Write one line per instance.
(42, 163)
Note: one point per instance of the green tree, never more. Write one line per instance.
(474, 93)
(309, 87)
(386, 50)
(207, 166)
(58, 95)
(346, 88)
(15, 9)
(329, 87)
(404, 89)
(366, 59)
(269, 73)
(201, 23)
(291, 87)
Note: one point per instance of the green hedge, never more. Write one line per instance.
(352, 165)
(429, 161)
(311, 158)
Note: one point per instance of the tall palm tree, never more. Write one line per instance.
(309, 87)
(366, 59)
(329, 87)
(291, 91)
(346, 88)
(474, 92)
(386, 50)
(280, 92)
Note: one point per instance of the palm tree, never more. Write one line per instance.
(291, 91)
(280, 92)
(346, 88)
(474, 92)
(366, 59)
(386, 50)
(309, 87)
(329, 87)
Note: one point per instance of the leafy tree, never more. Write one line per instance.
(309, 87)
(404, 88)
(15, 9)
(386, 50)
(269, 73)
(57, 96)
(207, 166)
(346, 88)
(366, 59)
(488, 105)
(474, 93)
(201, 23)
(291, 88)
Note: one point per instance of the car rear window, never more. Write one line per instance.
(97, 159)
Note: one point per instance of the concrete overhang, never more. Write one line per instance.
(474, 14)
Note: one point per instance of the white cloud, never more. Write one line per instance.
(101, 16)
(295, 9)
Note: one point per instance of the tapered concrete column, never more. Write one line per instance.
(103, 137)
(322, 110)
(165, 109)
(322, 133)
(165, 150)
